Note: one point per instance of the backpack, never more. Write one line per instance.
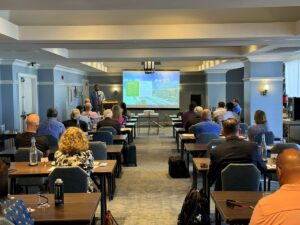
(177, 168)
(195, 209)
(109, 219)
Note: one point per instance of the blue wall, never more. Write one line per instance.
(256, 75)
(216, 89)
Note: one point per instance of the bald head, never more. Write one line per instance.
(107, 113)
(32, 122)
(88, 106)
(288, 167)
(206, 114)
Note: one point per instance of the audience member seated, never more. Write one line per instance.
(89, 113)
(283, 206)
(13, 210)
(260, 126)
(51, 126)
(83, 118)
(236, 106)
(206, 126)
(195, 119)
(73, 150)
(24, 139)
(117, 115)
(186, 116)
(75, 121)
(219, 112)
(125, 112)
(234, 150)
(108, 121)
(229, 112)
(86, 100)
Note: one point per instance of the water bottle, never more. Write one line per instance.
(78, 123)
(264, 147)
(59, 192)
(33, 159)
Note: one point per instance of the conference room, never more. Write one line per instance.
(158, 57)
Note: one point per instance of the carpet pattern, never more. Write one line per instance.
(146, 194)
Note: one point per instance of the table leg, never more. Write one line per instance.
(265, 182)
(134, 130)
(103, 198)
(217, 217)
(177, 140)
(119, 165)
(194, 176)
(173, 131)
(188, 159)
(181, 148)
(12, 185)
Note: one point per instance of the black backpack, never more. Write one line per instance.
(195, 209)
(177, 168)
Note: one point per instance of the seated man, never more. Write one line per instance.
(75, 121)
(51, 126)
(229, 113)
(196, 119)
(206, 126)
(24, 139)
(188, 114)
(89, 113)
(219, 112)
(234, 150)
(283, 206)
(109, 122)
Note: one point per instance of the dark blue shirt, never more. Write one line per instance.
(237, 109)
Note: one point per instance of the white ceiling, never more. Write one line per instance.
(179, 34)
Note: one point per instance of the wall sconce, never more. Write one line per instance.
(265, 90)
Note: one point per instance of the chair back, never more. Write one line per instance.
(109, 129)
(278, 148)
(214, 143)
(269, 138)
(240, 177)
(22, 155)
(99, 150)
(243, 128)
(104, 136)
(205, 137)
(74, 178)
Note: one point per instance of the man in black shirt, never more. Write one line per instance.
(24, 139)
(234, 150)
(109, 122)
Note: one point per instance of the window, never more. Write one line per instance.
(292, 78)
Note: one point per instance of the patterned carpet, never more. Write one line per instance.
(146, 194)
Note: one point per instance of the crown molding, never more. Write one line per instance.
(259, 79)
(69, 70)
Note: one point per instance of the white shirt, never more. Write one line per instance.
(219, 113)
(230, 114)
(101, 96)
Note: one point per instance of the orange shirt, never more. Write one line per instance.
(281, 207)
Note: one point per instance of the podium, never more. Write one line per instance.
(108, 104)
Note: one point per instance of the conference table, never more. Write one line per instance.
(149, 118)
(78, 208)
(22, 169)
(183, 139)
(195, 149)
(235, 215)
(116, 152)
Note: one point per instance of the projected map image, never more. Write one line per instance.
(156, 90)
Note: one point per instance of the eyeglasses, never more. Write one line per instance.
(42, 201)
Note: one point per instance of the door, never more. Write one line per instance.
(27, 97)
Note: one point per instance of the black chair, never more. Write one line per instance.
(240, 177)
(109, 129)
(103, 136)
(53, 146)
(75, 179)
(22, 155)
(206, 137)
(269, 138)
(99, 150)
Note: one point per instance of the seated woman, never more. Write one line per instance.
(73, 150)
(260, 126)
(117, 115)
(126, 113)
(88, 112)
(13, 210)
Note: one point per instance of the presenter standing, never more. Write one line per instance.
(97, 97)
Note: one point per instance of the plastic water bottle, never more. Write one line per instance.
(33, 159)
(78, 123)
(59, 192)
(264, 147)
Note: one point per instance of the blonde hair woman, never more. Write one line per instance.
(73, 150)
